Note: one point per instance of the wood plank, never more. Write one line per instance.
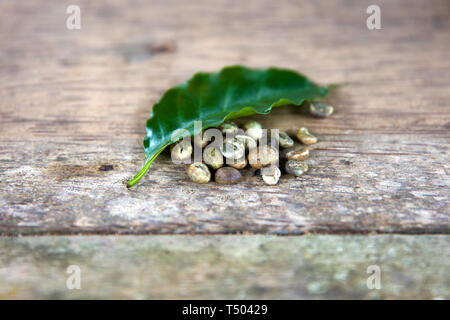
(226, 267)
(74, 101)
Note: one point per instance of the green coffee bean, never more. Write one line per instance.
(263, 156)
(213, 157)
(233, 149)
(305, 137)
(228, 175)
(239, 163)
(299, 155)
(284, 140)
(199, 173)
(296, 168)
(271, 175)
(229, 127)
(254, 129)
(320, 109)
(181, 151)
(248, 141)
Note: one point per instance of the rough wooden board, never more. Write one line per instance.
(226, 267)
(72, 101)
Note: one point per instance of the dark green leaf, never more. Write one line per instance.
(213, 98)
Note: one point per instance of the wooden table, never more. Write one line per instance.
(225, 267)
(73, 101)
(73, 106)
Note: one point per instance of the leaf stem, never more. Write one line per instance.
(147, 165)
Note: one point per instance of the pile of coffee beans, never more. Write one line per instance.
(228, 149)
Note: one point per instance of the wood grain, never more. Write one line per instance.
(226, 267)
(74, 104)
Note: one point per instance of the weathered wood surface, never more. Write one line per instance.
(74, 102)
(226, 267)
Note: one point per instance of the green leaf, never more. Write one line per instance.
(231, 93)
